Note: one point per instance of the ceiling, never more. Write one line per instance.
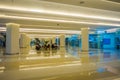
(113, 5)
(61, 14)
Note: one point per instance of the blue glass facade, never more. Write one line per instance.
(99, 40)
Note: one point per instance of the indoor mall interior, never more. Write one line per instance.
(59, 39)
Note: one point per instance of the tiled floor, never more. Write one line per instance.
(92, 65)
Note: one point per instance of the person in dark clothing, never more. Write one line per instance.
(37, 47)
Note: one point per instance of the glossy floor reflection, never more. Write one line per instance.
(92, 65)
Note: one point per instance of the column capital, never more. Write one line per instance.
(12, 24)
(86, 28)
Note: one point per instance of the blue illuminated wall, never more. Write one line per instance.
(97, 41)
(108, 41)
(57, 41)
(93, 41)
(75, 41)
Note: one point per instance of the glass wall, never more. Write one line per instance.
(2, 42)
(105, 40)
(98, 40)
(73, 44)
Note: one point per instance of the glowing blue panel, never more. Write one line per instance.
(106, 41)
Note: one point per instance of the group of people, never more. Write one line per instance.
(46, 47)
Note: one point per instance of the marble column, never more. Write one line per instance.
(24, 43)
(85, 39)
(53, 40)
(12, 38)
(62, 45)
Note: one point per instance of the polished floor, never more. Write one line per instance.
(74, 65)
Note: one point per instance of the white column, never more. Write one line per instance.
(84, 37)
(62, 44)
(23, 40)
(12, 38)
(28, 41)
(24, 43)
(62, 40)
(28, 44)
(53, 40)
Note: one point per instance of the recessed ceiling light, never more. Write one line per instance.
(82, 2)
(58, 24)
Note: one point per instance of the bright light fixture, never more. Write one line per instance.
(49, 31)
(112, 30)
(56, 20)
(2, 29)
(45, 30)
(41, 10)
(41, 35)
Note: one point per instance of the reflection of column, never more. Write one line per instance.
(100, 56)
(24, 43)
(99, 41)
(11, 65)
(12, 38)
(62, 45)
(84, 36)
(85, 57)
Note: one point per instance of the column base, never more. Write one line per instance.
(11, 53)
(84, 50)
